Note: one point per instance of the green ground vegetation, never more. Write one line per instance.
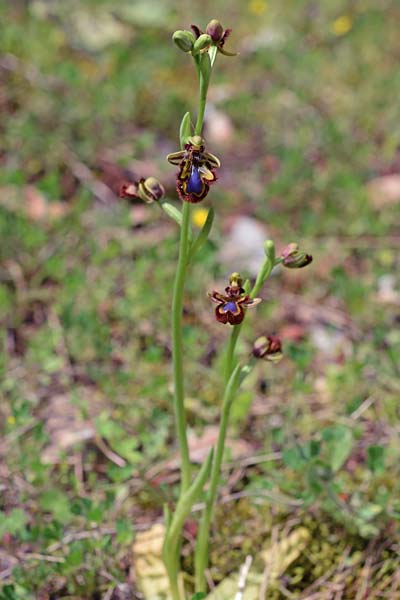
(306, 123)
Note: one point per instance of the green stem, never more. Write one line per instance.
(177, 349)
(177, 308)
(202, 103)
(231, 378)
(173, 537)
(203, 536)
(188, 493)
(230, 353)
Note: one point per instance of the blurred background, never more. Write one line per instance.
(306, 123)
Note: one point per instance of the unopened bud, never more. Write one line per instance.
(202, 43)
(268, 348)
(184, 40)
(150, 189)
(292, 258)
(215, 30)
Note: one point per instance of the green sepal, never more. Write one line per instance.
(202, 237)
(185, 130)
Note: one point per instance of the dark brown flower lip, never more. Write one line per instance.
(196, 170)
(231, 306)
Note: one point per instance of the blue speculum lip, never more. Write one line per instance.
(195, 184)
(230, 307)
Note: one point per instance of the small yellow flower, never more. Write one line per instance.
(11, 420)
(342, 25)
(199, 216)
(257, 7)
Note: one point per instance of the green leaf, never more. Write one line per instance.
(57, 503)
(293, 458)
(202, 236)
(376, 458)
(199, 596)
(124, 531)
(339, 441)
(75, 556)
(185, 130)
(370, 511)
(13, 523)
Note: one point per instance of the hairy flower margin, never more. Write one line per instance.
(196, 170)
(233, 304)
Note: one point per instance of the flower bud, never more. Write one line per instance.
(202, 43)
(184, 40)
(215, 30)
(150, 189)
(292, 258)
(268, 348)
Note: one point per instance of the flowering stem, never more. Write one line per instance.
(262, 276)
(203, 536)
(231, 377)
(177, 350)
(189, 491)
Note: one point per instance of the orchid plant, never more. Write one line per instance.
(197, 173)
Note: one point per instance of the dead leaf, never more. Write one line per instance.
(149, 569)
(277, 558)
